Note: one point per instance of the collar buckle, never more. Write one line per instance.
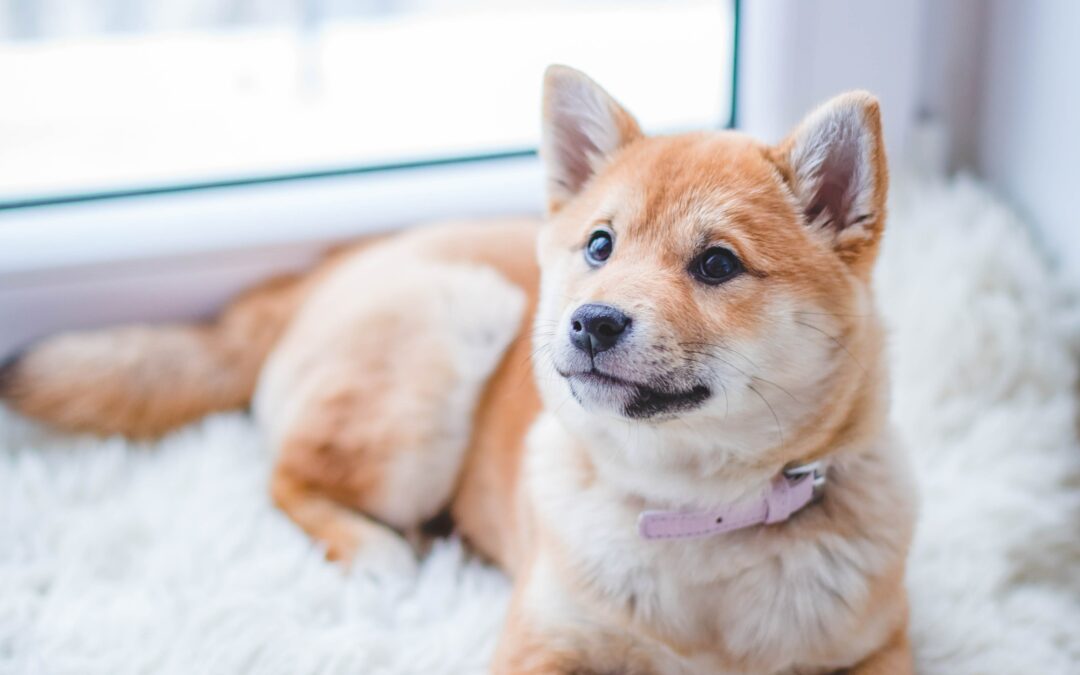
(794, 472)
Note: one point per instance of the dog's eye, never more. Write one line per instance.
(599, 247)
(716, 266)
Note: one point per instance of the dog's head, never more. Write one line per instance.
(706, 276)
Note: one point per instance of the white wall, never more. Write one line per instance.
(795, 54)
(1003, 78)
(1029, 131)
(952, 74)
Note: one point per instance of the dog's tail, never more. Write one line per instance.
(141, 381)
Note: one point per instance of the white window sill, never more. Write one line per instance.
(59, 238)
(181, 255)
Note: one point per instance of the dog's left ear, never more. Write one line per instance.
(583, 127)
(834, 162)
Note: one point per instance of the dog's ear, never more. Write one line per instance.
(834, 162)
(583, 127)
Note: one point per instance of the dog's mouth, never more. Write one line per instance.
(601, 378)
(638, 400)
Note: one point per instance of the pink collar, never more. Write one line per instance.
(790, 491)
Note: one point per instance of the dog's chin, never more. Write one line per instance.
(598, 391)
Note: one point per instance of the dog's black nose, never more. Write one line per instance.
(595, 328)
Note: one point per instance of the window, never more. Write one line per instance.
(126, 96)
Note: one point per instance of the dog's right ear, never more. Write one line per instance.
(583, 127)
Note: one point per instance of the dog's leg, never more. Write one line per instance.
(353, 464)
(369, 397)
(343, 530)
(893, 659)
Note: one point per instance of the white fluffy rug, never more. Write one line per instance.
(169, 558)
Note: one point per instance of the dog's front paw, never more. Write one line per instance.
(378, 552)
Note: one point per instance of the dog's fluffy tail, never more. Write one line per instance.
(141, 381)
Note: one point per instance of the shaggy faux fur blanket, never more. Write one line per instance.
(169, 558)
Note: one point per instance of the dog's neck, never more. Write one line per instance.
(651, 480)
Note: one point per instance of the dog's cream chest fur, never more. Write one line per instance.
(757, 597)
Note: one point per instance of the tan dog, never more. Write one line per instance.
(703, 321)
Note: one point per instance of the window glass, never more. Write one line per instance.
(120, 95)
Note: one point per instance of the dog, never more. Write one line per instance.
(663, 411)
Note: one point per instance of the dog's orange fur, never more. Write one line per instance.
(145, 380)
(361, 362)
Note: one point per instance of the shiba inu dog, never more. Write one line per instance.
(663, 412)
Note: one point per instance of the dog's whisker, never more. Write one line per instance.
(838, 315)
(835, 340)
(779, 429)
